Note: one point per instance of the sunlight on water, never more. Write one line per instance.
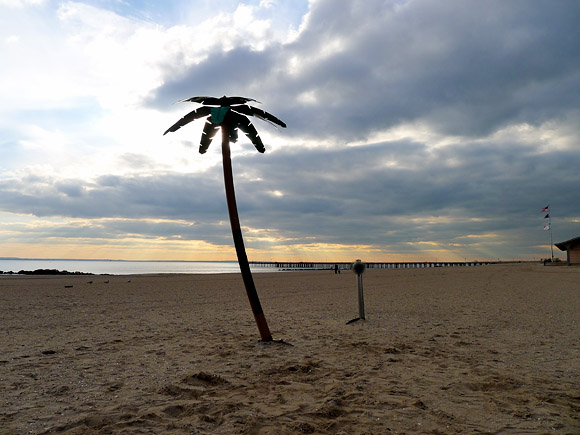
(127, 267)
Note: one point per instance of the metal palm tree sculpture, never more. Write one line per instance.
(231, 114)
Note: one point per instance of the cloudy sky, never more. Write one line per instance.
(417, 130)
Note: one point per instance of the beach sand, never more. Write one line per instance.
(443, 350)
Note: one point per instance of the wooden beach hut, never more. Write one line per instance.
(572, 248)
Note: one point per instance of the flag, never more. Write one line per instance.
(546, 227)
(546, 208)
(547, 216)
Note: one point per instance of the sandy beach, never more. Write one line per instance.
(443, 350)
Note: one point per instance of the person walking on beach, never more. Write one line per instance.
(336, 269)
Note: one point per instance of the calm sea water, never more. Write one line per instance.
(128, 267)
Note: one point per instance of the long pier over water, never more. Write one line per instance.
(347, 266)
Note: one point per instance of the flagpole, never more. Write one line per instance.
(549, 228)
(551, 240)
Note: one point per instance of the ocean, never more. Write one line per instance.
(118, 267)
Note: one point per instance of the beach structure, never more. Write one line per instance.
(572, 248)
(230, 114)
(306, 265)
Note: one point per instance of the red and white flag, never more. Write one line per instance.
(546, 227)
(546, 208)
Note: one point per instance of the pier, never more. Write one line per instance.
(284, 265)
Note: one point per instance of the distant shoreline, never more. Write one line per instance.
(105, 259)
(44, 272)
(263, 261)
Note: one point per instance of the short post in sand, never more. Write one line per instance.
(359, 267)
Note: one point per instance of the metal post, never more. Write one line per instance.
(361, 299)
(358, 267)
(551, 239)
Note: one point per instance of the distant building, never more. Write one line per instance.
(572, 248)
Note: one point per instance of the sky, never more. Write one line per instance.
(417, 130)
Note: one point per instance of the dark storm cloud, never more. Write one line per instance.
(387, 194)
(464, 68)
(363, 200)
(222, 73)
(160, 196)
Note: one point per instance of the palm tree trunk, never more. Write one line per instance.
(238, 239)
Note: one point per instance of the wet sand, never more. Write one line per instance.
(443, 350)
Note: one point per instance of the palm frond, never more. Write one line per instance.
(221, 101)
(234, 112)
(259, 113)
(191, 116)
(244, 124)
(209, 131)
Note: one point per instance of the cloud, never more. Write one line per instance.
(368, 66)
(401, 195)
(413, 127)
(214, 76)
(20, 3)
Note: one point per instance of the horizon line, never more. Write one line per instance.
(498, 260)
